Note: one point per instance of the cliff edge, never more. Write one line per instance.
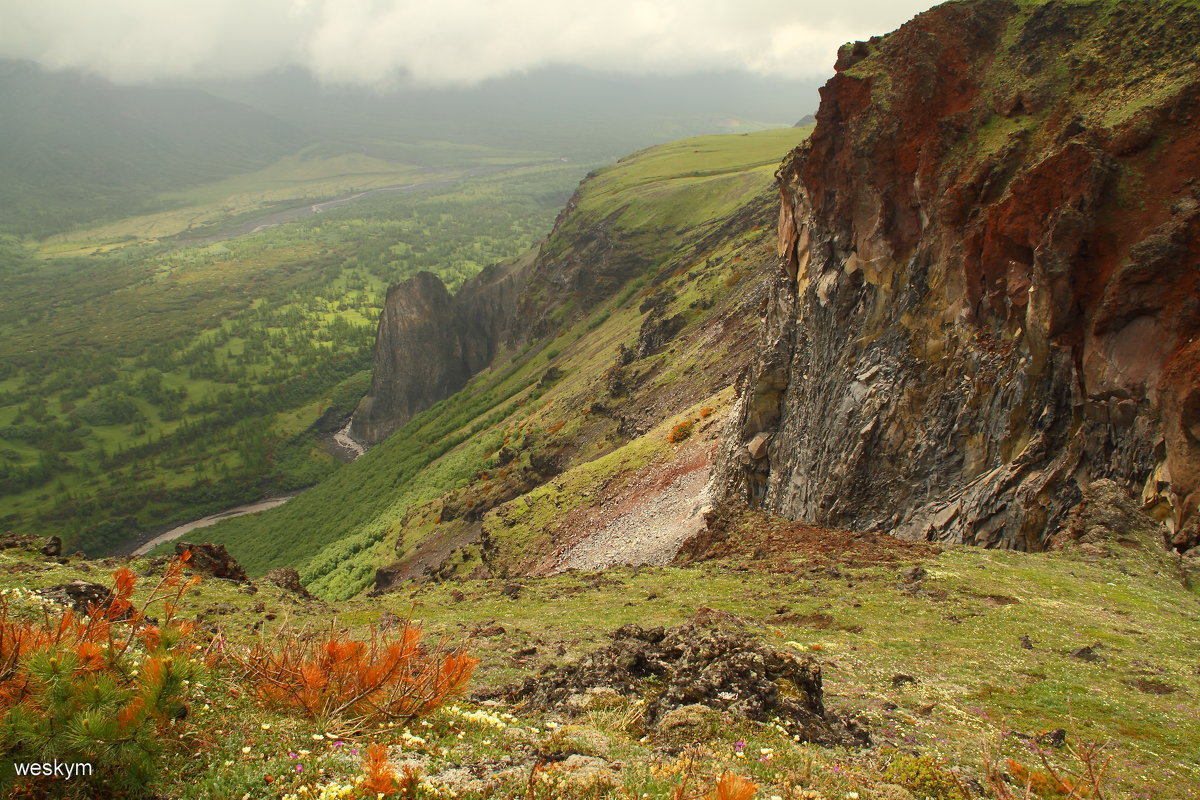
(429, 343)
(987, 295)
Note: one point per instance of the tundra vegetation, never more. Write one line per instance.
(408, 628)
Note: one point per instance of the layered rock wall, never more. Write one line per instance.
(429, 343)
(987, 295)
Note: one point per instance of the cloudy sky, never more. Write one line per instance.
(438, 42)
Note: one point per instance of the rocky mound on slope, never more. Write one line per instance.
(988, 291)
(704, 662)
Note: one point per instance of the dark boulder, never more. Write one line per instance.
(213, 560)
(79, 595)
(288, 579)
(708, 661)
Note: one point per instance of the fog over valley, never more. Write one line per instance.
(460, 42)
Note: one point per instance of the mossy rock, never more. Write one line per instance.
(578, 739)
(687, 724)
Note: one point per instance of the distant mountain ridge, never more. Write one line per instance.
(75, 148)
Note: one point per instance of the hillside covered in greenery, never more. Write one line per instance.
(682, 209)
(158, 382)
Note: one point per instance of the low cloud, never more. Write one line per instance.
(437, 42)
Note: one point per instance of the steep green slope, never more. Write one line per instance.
(691, 215)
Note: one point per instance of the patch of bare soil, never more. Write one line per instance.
(782, 545)
(642, 517)
(431, 554)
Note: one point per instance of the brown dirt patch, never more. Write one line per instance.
(783, 545)
(638, 517)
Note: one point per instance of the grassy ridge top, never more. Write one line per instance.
(975, 688)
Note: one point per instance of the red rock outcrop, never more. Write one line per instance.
(988, 294)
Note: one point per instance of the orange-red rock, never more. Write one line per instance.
(998, 217)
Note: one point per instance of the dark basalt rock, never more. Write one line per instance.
(288, 579)
(961, 338)
(79, 595)
(708, 662)
(656, 332)
(53, 547)
(10, 541)
(212, 560)
(429, 343)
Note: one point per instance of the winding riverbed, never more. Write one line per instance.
(292, 214)
(348, 450)
(212, 519)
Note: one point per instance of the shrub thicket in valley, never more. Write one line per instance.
(157, 382)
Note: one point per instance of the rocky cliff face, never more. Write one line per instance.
(987, 296)
(429, 343)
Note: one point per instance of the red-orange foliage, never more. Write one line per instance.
(731, 786)
(337, 678)
(99, 638)
(378, 776)
(1051, 783)
(681, 431)
(1084, 780)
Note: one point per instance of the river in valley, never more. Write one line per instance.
(340, 445)
(212, 519)
(292, 214)
(265, 221)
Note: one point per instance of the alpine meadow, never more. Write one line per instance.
(545, 402)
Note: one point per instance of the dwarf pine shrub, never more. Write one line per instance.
(925, 776)
(681, 431)
(98, 688)
(351, 683)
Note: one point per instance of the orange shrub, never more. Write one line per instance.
(681, 431)
(705, 412)
(378, 776)
(343, 680)
(98, 639)
(731, 786)
(71, 684)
